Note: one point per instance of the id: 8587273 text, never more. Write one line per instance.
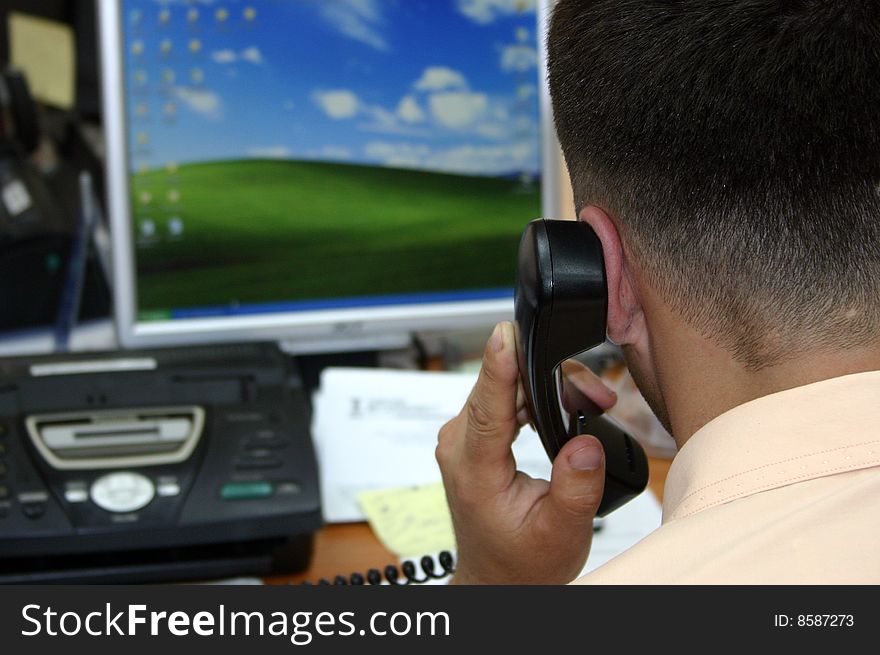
(813, 620)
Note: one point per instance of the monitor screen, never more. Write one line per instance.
(299, 168)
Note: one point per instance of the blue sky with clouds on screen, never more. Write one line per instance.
(446, 85)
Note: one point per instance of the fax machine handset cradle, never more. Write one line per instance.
(561, 309)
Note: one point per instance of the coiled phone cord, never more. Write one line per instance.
(406, 574)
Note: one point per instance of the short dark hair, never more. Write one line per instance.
(737, 143)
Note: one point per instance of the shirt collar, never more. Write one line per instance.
(819, 429)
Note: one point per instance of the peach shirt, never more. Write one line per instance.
(784, 489)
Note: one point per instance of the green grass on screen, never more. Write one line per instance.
(263, 231)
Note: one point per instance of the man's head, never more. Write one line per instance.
(735, 144)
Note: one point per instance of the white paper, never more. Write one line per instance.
(377, 429)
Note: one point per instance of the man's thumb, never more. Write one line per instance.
(577, 481)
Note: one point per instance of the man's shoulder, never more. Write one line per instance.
(821, 531)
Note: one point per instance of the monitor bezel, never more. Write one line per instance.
(313, 330)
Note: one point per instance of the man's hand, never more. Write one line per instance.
(511, 528)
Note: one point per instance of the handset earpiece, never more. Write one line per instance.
(561, 308)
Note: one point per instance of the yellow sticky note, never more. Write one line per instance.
(44, 51)
(410, 521)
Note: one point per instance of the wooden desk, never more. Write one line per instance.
(344, 548)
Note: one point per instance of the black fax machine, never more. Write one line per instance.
(155, 465)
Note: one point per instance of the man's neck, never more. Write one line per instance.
(700, 381)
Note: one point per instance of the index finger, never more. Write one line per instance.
(584, 390)
(490, 410)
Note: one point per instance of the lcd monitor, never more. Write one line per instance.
(326, 173)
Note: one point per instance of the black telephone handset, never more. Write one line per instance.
(560, 309)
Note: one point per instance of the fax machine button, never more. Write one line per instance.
(246, 490)
(76, 492)
(288, 488)
(36, 497)
(257, 463)
(33, 510)
(122, 492)
(168, 488)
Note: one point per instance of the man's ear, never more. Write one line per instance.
(625, 316)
